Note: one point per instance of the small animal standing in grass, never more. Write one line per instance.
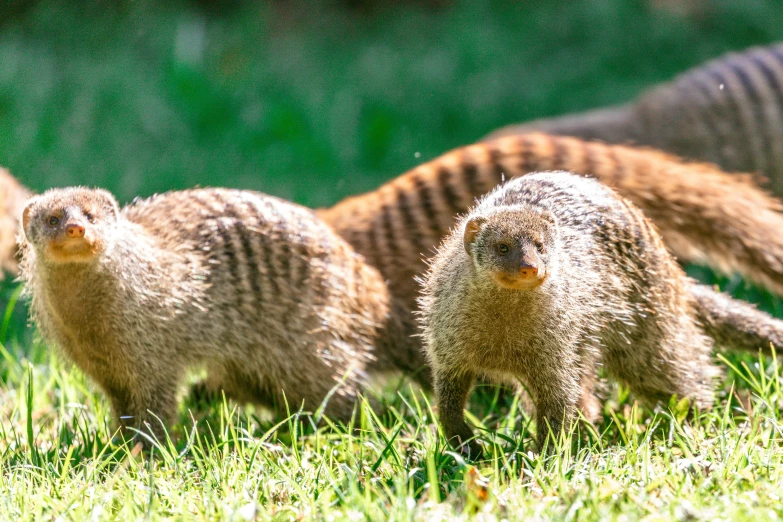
(260, 291)
(551, 275)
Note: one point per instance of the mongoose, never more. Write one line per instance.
(728, 111)
(550, 275)
(258, 290)
(704, 214)
(13, 197)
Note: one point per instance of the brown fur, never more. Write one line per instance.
(703, 214)
(13, 197)
(599, 288)
(258, 290)
(728, 111)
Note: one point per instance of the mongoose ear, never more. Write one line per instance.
(472, 228)
(111, 202)
(26, 216)
(549, 217)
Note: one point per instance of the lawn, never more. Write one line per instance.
(312, 101)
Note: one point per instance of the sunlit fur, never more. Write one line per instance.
(274, 304)
(95, 210)
(529, 236)
(611, 295)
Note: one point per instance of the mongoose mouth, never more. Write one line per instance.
(71, 250)
(518, 282)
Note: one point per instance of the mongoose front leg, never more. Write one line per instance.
(452, 389)
(143, 413)
(556, 395)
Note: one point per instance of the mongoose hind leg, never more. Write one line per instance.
(660, 367)
(589, 404)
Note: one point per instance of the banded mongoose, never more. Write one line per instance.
(551, 275)
(269, 298)
(704, 214)
(728, 111)
(13, 197)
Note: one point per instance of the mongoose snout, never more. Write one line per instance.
(74, 230)
(527, 271)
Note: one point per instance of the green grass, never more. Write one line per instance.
(312, 102)
(389, 464)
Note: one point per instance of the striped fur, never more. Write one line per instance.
(264, 294)
(728, 111)
(609, 294)
(703, 214)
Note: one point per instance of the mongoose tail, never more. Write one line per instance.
(614, 124)
(736, 324)
(705, 215)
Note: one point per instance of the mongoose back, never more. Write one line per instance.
(270, 299)
(705, 215)
(728, 111)
(548, 276)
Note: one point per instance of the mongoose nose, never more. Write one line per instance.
(528, 271)
(74, 230)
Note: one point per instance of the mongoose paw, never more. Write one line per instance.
(470, 450)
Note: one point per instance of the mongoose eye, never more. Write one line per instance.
(540, 246)
(54, 221)
(503, 249)
(89, 217)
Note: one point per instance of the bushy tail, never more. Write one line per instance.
(611, 124)
(736, 324)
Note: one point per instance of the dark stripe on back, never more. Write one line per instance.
(736, 115)
(471, 176)
(229, 260)
(560, 161)
(756, 106)
(284, 255)
(710, 113)
(252, 262)
(271, 271)
(427, 204)
(588, 153)
(388, 232)
(496, 158)
(451, 197)
(529, 159)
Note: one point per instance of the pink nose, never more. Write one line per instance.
(528, 271)
(74, 230)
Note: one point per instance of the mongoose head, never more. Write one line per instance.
(71, 225)
(512, 245)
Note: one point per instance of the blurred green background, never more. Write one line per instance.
(313, 101)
